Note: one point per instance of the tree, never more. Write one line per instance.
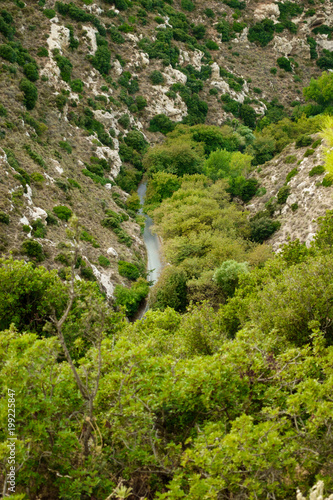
(227, 275)
(320, 90)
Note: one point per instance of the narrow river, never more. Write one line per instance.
(153, 246)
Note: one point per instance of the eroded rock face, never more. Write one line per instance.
(266, 10)
(311, 197)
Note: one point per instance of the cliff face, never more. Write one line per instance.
(80, 82)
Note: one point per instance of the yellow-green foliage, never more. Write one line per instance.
(327, 134)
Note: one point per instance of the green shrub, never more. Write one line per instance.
(66, 146)
(141, 102)
(284, 63)
(4, 218)
(31, 72)
(30, 93)
(77, 85)
(227, 276)
(37, 178)
(327, 181)
(87, 273)
(303, 140)
(131, 298)
(211, 45)
(319, 169)
(60, 101)
(124, 121)
(156, 78)
(3, 110)
(49, 13)
(38, 229)
(273, 71)
(33, 249)
(243, 188)
(187, 5)
(62, 212)
(103, 261)
(291, 174)
(161, 123)
(308, 152)
(325, 61)
(135, 139)
(102, 60)
(213, 91)
(85, 236)
(263, 228)
(283, 194)
(74, 183)
(209, 13)
(262, 32)
(8, 53)
(128, 270)
(290, 159)
(65, 67)
(294, 207)
(42, 52)
(316, 143)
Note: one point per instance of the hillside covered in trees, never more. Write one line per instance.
(222, 389)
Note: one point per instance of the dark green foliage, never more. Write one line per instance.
(313, 47)
(248, 115)
(262, 32)
(38, 229)
(8, 53)
(65, 66)
(30, 93)
(156, 78)
(284, 63)
(303, 140)
(225, 29)
(263, 228)
(235, 4)
(325, 61)
(283, 194)
(115, 35)
(323, 29)
(4, 218)
(161, 123)
(211, 45)
(273, 71)
(6, 28)
(171, 290)
(103, 261)
(209, 13)
(135, 139)
(102, 60)
(66, 146)
(319, 169)
(79, 15)
(141, 102)
(243, 188)
(199, 31)
(131, 298)
(51, 220)
(39, 127)
(49, 13)
(87, 273)
(161, 48)
(73, 42)
(291, 174)
(187, 5)
(308, 152)
(327, 181)
(60, 101)
(62, 212)
(33, 249)
(124, 121)
(77, 85)
(128, 270)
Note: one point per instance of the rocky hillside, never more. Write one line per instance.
(85, 86)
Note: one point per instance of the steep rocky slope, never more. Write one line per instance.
(80, 83)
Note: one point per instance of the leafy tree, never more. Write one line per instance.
(128, 270)
(320, 90)
(62, 212)
(175, 159)
(224, 164)
(156, 77)
(227, 275)
(284, 63)
(30, 93)
(161, 123)
(101, 60)
(262, 32)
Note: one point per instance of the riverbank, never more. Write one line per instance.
(153, 247)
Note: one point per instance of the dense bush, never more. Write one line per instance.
(77, 85)
(284, 63)
(283, 194)
(156, 78)
(319, 169)
(102, 60)
(303, 140)
(64, 65)
(31, 71)
(161, 123)
(103, 261)
(128, 270)
(33, 249)
(262, 32)
(4, 218)
(228, 274)
(62, 212)
(263, 228)
(325, 61)
(30, 93)
(131, 298)
(135, 139)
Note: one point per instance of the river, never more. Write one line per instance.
(153, 245)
